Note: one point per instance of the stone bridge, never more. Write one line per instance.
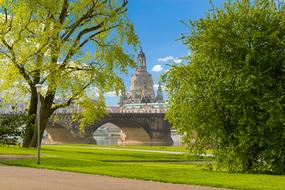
(139, 128)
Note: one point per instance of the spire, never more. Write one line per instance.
(123, 91)
(123, 97)
(141, 59)
(159, 96)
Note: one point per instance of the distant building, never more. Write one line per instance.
(141, 96)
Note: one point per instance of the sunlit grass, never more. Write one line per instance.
(171, 168)
(161, 148)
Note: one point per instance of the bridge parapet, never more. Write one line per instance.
(132, 108)
(144, 108)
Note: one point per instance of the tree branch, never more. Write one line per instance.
(87, 16)
(63, 13)
(68, 102)
(80, 69)
(23, 29)
(73, 49)
(5, 53)
(20, 67)
(95, 34)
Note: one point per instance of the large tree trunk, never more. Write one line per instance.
(43, 122)
(44, 116)
(29, 131)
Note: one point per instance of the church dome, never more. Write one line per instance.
(141, 83)
(141, 88)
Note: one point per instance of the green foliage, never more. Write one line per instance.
(42, 42)
(11, 127)
(89, 114)
(231, 95)
(74, 48)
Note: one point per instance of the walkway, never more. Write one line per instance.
(20, 178)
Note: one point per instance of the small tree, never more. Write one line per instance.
(49, 42)
(232, 91)
(11, 127)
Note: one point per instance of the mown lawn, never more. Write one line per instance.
(140, 165)
(162, 148)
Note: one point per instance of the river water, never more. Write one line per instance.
(111, 136)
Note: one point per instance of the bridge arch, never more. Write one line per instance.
(59, 134)
(133, 132)
(62, 129)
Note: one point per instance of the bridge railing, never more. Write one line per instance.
(114, 110)
(143, 111)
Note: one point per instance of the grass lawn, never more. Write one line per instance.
(140, 165)
(162, 148)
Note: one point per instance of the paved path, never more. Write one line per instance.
(15, 157)
(20, 178)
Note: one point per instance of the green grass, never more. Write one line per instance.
(14, 150)
(162, 148)
(140, 165)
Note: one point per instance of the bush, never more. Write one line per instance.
(11, 128)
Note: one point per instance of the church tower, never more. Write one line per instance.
(141, 89)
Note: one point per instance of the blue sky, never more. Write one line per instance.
(157, 24)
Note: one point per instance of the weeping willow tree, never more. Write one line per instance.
(68, 46)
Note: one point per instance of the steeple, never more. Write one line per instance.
(159, 96)
(123, 97)
(141, 59)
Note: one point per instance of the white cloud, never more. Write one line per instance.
(170, 59)
(165, 59)
(157, 68)
(93, 93)
(111, 94)
(177, 61)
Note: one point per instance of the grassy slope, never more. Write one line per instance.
(135, 165)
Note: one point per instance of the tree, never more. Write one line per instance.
(11, 127)
(47, 42)
(231, 94)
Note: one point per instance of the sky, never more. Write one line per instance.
(158, 26)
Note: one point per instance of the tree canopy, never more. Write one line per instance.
(71, 47)
(230, 97)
